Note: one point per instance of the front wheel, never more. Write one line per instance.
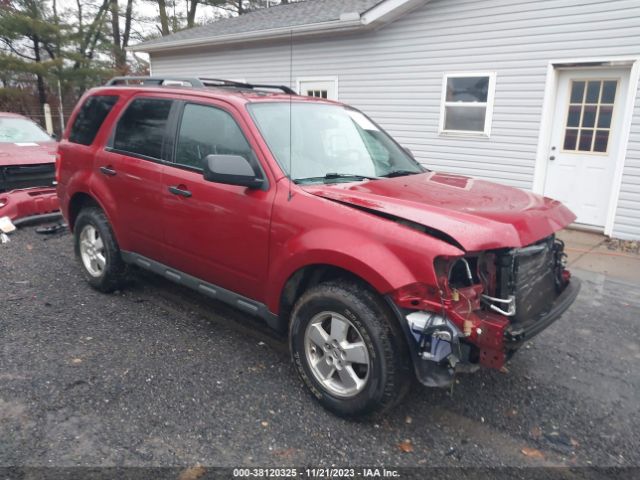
(346, 349)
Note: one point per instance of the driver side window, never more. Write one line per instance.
(206, 130)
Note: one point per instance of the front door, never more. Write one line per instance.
(217, 233)
(319, 89)
(585, 141)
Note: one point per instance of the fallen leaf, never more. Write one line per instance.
(408, 419)
(406, 446)
(504, 369)
(29, 247)
(76, 360)
(532, 452)
(192, 473)
(264, 424)
(574, 442)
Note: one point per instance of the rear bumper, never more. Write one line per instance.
(515, 336)
(28, 202)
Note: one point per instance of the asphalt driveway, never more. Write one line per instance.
(156, 375)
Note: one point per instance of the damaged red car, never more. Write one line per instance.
(304, 212)
(27, 166)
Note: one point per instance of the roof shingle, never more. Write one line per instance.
(280, 16)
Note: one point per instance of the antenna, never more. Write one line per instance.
(290, 113)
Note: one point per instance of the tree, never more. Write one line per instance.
(28, 35)
(120, 42)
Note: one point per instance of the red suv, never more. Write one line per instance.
(305, 213)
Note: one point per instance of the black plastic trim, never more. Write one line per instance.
(210, 290)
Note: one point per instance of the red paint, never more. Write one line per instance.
(28, 202)
(480, 215)
(253, 241)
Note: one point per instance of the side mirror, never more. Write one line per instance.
(231, 170)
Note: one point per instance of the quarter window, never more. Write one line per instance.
(141, 128)
(589, 115)
(467, 103)
(90, 117)
(206, 130)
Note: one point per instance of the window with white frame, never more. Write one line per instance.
(467, 103)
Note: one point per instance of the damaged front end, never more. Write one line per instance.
(27, 192)
(485, 306)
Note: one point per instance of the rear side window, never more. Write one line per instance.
(141, 128)
(89, 120)
(208, 130)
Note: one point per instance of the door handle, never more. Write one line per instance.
(180, 191)
(108, 171)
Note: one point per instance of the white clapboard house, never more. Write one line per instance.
(538, 94)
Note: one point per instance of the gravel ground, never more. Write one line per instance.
(156, 375)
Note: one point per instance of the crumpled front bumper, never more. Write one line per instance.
(28, 202)
(496, 342)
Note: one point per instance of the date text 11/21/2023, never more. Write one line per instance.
(374, 472)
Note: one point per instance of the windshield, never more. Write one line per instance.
(325, 142)
(21, 130)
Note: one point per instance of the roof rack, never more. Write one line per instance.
(194, 82)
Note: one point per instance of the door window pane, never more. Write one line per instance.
(586, 137)
(570, 139)
(609, 91)
(465, 118)
(573, 119)
(604, 118)
(206, 131)
(577, 92)
(589, 115)
(89, 120)
(601, 141)
(593, 92)
(142, 127)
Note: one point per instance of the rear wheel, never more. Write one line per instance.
(97, 250)
(346, 349)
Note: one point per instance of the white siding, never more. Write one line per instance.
(395, 75)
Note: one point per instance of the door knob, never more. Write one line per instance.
(552, 158)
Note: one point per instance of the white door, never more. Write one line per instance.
(319, 88)
(585, 141)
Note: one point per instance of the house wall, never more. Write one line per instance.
(395, 75)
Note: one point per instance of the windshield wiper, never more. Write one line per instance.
(399, 173)
(335, 175)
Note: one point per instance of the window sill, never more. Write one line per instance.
(461, 134)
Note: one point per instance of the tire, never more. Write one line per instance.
(384, 372)
(100, 262)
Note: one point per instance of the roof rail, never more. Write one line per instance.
(158, 81)
(195, 82)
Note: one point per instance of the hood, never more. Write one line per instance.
(479, 215)
(27, 153)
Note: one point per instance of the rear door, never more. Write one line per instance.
(218, 233)
(132, 167)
